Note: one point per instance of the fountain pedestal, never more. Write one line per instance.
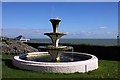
(56, 52)
(55, 55)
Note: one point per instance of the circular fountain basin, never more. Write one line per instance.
(83, 63)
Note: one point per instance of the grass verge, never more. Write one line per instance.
(107, 69)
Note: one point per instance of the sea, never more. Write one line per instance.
(104, 42)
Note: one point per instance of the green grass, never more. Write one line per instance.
(107, 69)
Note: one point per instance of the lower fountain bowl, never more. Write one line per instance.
(85, 65)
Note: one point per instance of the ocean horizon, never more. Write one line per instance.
(105, 42)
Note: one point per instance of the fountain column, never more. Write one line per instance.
(55, 35)
(55, 51)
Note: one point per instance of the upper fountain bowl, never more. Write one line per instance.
(55, 23)
(58, 33)
(55, 18)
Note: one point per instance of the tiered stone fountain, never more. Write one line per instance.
(55, 50)
(52, 61)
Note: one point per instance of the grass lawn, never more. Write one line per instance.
(107, 69)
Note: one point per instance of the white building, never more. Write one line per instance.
(21, 38)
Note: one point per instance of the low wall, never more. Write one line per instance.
(102, 52)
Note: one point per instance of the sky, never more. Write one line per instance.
(60, 0)
(78, 19)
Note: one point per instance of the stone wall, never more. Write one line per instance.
(10, 46)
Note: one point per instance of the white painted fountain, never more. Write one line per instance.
(56, 59)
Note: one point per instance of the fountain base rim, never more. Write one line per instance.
(59, 67)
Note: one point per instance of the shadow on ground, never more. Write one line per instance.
(8, 63)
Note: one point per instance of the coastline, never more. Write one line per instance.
(101, 42)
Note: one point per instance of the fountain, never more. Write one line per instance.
(55, 50)
(56, 59)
